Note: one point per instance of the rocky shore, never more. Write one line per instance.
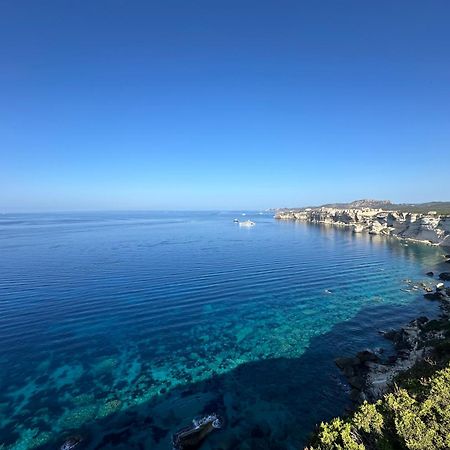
(370, 375)
(401, 400)
(430, 227)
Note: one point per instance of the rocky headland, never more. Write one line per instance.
(401, 400)
(370, 375)
(411, 222)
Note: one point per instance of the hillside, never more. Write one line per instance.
(387, 205)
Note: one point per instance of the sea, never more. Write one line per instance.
(120, 328)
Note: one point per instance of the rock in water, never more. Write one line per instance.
(430, 274)
(367, 355)
(445, 276)
(439, 294)
(344, 363)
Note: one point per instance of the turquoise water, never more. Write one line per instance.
(123, 327)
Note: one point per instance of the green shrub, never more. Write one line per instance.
(368, 418)
(401, 420)
(339, 435)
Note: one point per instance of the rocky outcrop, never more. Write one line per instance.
(430, 228)
(369, 376)
(441, 292)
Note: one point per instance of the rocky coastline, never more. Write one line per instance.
(370, 375)
(401, 400)
(430, 227)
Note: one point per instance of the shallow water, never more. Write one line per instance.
(123, 327)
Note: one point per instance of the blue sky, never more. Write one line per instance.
(222, 104)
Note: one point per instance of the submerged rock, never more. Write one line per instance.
(430, 274)
(356, 382)
(435, 296)
(445, 276)
(367, 355)
(344, 363)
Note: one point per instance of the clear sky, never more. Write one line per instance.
(222, 104)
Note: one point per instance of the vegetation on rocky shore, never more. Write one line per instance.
(415, 416)
(414, 411)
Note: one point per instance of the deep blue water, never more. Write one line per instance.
(122, 327)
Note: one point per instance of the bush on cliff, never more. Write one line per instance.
(401, 420)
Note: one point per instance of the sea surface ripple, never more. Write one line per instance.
(122, 327)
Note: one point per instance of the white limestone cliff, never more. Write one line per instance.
(430, 228)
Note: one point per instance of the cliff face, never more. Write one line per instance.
(429, 228)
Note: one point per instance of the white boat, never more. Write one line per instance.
(247, 223)
(193, 435)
